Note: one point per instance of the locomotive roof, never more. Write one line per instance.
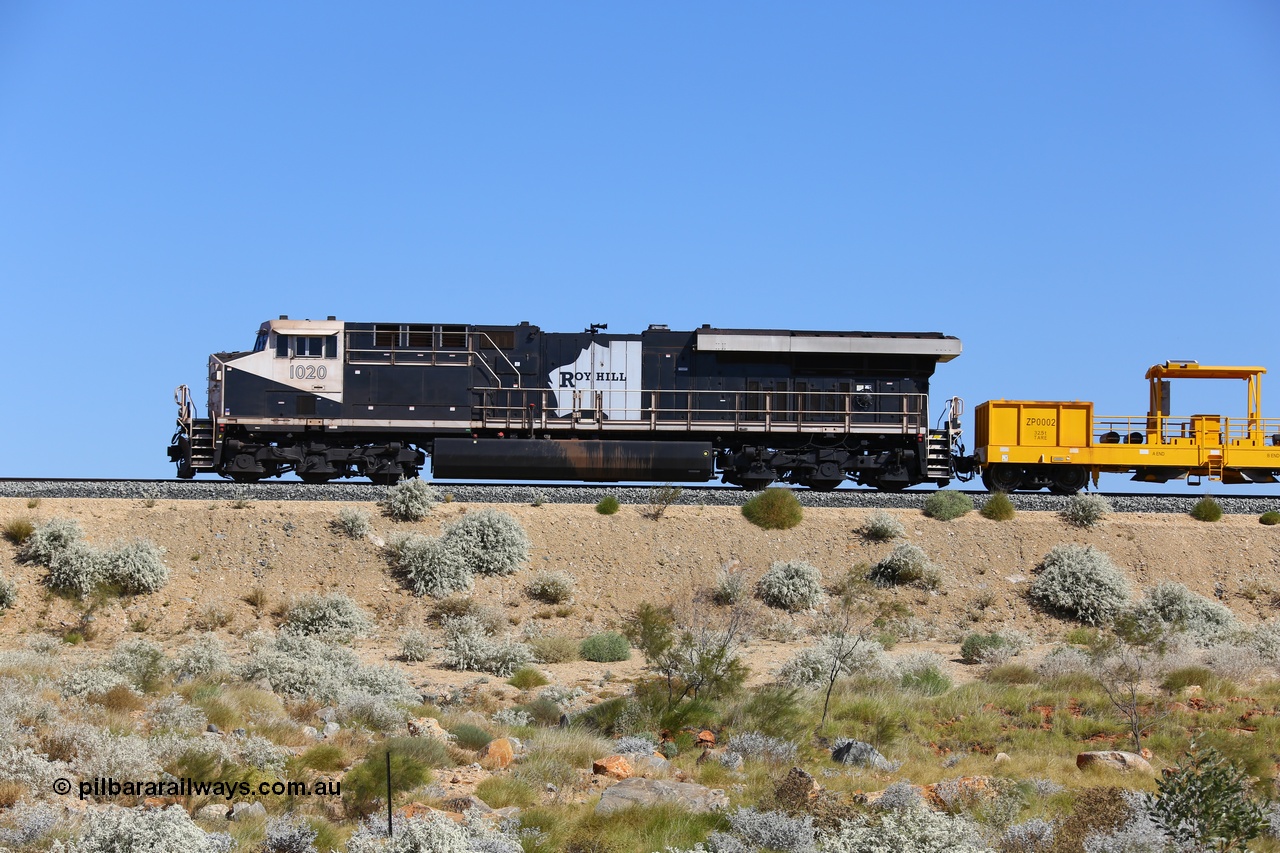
(933, 344)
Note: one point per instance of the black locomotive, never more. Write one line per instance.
(327, 399)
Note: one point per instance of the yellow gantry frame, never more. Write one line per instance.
(1191, 370)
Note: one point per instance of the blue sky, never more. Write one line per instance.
(1076, 190)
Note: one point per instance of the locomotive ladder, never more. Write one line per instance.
(199, 431)
(937, 461)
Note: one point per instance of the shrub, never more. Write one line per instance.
(660, 499)
(1082, 582)
(998, 507)
(488, 542)
(1205, 800)
(144, 830)
(906, 564)
(8, 593)
(551, 587)
(370, 712)
(880, 526)
(288, 834)
(469, 646)
(763, 747)
(49, 539)
(1034, 836)
(137, 566)
(769, 831)
(1269, 517)
(469, 736)
(554, 648)
(335, 617)
(905, 830)
(608, 505)
(922, 673)
(527, 678)
(77, 568)
(605, 647)
(1086, 510)
(1207, 509)
(945, 504)
(305, 667)
(410, 500)
(1173, 607)
(411, 762)
(354, 522)
(774, 509)
(140, 661)
(730, 587)
(18, 530)
(429, 568)
(985, 648)
(414, 647)
(791, 585)
(202, 657)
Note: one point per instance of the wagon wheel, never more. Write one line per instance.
(1002, 478)
(1069, 480)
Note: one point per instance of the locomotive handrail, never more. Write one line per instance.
(697, 409)
(1205, 429)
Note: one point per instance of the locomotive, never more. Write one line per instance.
(325, 399)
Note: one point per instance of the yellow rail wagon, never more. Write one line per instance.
(1025, 444)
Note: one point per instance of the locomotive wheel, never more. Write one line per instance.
(823, 485)
(246, 476)
(316, 479)
(385, 478)
(1002, 478)
(888, 485)
(1069, 480)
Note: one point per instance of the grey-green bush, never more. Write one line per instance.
(468, 645)
(1082, 582)
(414, 647)
(140, 661)
(946, 505)
(906, 564)
(410, 500)
(8, 593)
(605, 647)
(202, 657)
(1177, 608)
(354, 522)
(145, 830)
(1086, 510)
(488, 542)
(299, 666)
(335, 617)
(880, 526)
(791, 585)
(78, 568)
(138, 566)
(427, 567)
(551, 587)
(49, 539)
(730, 587)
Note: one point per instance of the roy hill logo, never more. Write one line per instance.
(570, 379)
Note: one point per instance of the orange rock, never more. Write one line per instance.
(156, 802)
(614, 766)
(497, 754)
(706, 738)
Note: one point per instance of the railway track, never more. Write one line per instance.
(706, 495)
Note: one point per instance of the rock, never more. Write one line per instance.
(706, 738)
(1115, 759)
(648, 766)
(327, 714)
(614, 766)
(212, 729)
(248, 811)
(465, 804)
(429, 727)
(155, 802)
(497, 754)
(331, 729)
(860, 754)
(212, 812)
(311, 732)
(508, 812)
(948, 795)
(647, 792)
(1003, 758)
